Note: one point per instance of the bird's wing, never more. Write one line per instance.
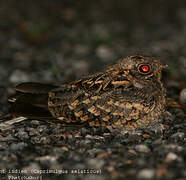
(98, 100)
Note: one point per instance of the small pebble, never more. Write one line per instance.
(168, 116)
(142, 148)
(80, 67)
(41, 128)
(95, 163)
(17, 146)
(104, 53)
(21, 134)
(146, 174)
(88, 136)
(94, 151)
(178, 136)
(171, 157)
(32, 167)
(3, 145)
(183, 96)
(6, 138)
(33, 131)
(173, 147)
(18, 76)
(47, 159)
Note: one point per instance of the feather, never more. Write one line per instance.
(35, 88)
(31, 100)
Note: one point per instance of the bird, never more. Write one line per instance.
(127, 95)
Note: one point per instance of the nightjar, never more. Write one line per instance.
(128, 95)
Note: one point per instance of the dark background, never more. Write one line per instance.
(53, 40)
(61, 40)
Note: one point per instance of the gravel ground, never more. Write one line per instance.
(63, 40)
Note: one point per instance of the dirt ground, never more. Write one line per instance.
(45, 41)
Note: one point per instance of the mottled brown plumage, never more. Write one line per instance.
(128, 95)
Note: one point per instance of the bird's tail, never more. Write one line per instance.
(31, 101)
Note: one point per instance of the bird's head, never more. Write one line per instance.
(140, 69)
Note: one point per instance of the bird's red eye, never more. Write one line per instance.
(144, 68)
